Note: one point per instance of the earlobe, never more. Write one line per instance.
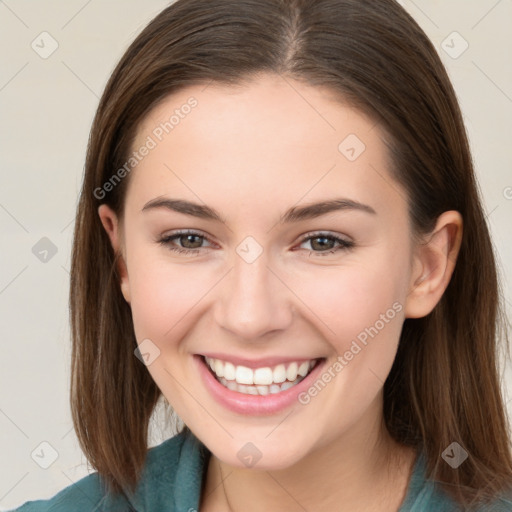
(434, 263)
(111, 224)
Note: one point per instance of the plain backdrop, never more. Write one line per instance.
(47, 103)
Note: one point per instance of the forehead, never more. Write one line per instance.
(271, 141)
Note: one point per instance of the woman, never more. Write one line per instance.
(280, 233)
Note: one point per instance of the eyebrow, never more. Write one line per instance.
(294, 214)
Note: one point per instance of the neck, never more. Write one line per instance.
(362, 469)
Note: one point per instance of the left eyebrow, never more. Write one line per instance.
(314, 210)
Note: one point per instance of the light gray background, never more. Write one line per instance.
(47, 106)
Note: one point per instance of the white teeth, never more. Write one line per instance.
(260, 381)
(262, 390)
(263, 376)
(275, 389)
(303, 369)
(279, 373)
(219, 368)
(244, 375)
(258, 390)
(229, 371)
(231, 384)
(286, 385)
(291, 372)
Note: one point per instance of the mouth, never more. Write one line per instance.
(263, 380)
(257, 388)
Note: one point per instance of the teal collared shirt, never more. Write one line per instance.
(173, 476)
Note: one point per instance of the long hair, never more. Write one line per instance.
(444, 385)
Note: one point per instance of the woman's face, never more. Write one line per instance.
(272, 283)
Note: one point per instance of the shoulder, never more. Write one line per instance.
(501, 505)
(425, 495)
(174, 465)
(85, 495)
(442, 502)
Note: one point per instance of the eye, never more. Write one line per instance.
(190, 242)
(323, 244)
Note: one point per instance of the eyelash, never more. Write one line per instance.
(343, 244)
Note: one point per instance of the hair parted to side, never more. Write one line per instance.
(444, 385)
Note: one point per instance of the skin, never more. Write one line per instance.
(252, 152)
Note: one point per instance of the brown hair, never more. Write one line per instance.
(444, 385)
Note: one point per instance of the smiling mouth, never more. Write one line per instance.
(259, 381)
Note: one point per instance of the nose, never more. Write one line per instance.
(254, 301)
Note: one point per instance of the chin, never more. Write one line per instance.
(257, 452)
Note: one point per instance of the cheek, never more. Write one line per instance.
(360, 314)
(166, 301)
(349, 301)
(164, 296)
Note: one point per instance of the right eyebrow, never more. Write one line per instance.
(185, 207)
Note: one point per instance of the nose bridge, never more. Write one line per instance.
(253, 301)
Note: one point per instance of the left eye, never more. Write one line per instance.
(325, 243)
(321, 244)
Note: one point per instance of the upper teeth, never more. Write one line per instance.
(260, 376)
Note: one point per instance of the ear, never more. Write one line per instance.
(112, 226)
(433, 264)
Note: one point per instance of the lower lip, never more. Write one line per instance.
(255, 404)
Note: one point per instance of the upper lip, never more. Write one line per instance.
(256, 363)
